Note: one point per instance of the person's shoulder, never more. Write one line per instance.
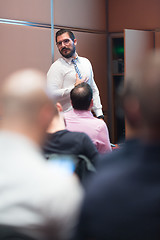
(123, 155)
(56, 63)
(56, 67)
(109, 158)
(54, 171)
(78, 135)
(99, 122)
(69, 113)
(84, 59)
(57, 172)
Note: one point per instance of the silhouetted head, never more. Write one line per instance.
(142, 95)
(25, 105)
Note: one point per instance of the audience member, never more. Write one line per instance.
(81, 118)
(122, 200)
(70, 70)
(63, 142)
(37, 199)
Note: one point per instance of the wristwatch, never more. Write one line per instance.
(101, 117)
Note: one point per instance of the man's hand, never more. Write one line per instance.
(101, 117)
(78, 80)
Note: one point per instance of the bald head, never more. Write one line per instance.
(24, 101)
(23, 92)
(24, 82)
(81, 96)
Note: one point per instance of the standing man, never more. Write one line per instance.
(69, 71)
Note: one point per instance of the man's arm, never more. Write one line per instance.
(103, 141)
(55, 82)
(97, 106)
(90, 150)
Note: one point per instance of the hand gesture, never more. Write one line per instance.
(78, 80)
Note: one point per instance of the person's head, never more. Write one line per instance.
(131, 109)
(142, 96)
(25, 106)
(66, 43)
(82, 97)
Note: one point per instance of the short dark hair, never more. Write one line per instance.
(81, 96)
(61, 31)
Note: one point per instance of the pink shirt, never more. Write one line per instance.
(84, 121)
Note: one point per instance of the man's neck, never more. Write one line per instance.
(18, 127)
(57, 124)
(75, 55)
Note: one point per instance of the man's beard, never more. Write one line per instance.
(70, 54)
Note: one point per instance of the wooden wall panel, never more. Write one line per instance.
(26, 10)
(23, 46)
(90, 14)
(157, 40)
(137, 14)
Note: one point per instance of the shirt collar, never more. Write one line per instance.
(68, 60)
(83, 113)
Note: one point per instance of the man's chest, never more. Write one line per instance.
(69, 73)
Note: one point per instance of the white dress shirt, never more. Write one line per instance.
(40, 199)
(61, 78)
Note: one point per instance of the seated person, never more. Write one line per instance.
(81, 119)
(59, 140)
(122, 199)
(37, 200)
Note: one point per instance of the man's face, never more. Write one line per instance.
(66, 46)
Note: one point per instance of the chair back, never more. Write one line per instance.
(83, 167)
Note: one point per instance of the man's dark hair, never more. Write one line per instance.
(81, 96)
(61, 31)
